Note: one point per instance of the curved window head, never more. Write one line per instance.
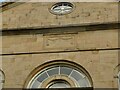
(59, 84)
(2, 79)
(119, 80)
(117, 74)
(60, 74)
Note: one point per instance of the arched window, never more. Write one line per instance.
(119, 80)
(59, 74)
(2, 79)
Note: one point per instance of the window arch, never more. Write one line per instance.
(59, 74)
(117, 74)
(2, 79)
(119, 80)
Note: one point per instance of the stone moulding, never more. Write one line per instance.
(60, 29)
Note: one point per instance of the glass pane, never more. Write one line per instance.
(36, 84)
(76, 75)
(42, 77)
(83, 82)
(65, 70)
(53, 71)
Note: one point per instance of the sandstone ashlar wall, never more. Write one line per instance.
(100, 63)
(38, 15)
(95, 50)
(86, 40)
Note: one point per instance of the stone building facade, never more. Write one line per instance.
(36, 41)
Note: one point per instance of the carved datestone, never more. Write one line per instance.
(59, 41)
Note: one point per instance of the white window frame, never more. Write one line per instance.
(34, 79)
(62, 9)
(2, 79)
(119, 80)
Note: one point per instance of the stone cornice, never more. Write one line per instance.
(64, 29)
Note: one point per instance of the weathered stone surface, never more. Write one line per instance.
(38, 15)
(96, 51)
(100, 66)
(39, 43)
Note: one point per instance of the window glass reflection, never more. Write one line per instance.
(76, 75)
(65, 70)
(53, 71)
(67, 73)
(36, 84)
(43, 75)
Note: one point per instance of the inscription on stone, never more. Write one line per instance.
(59, 41)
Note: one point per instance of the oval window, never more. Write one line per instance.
(62, 8)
